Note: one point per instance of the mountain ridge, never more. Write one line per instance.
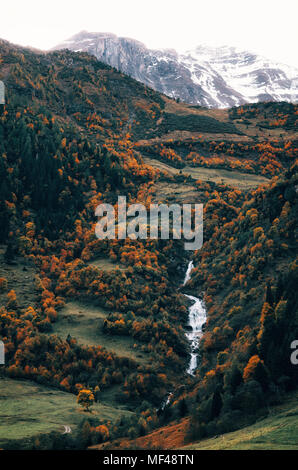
(212, 77)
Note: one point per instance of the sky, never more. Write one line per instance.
(267, 27)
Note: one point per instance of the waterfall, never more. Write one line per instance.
(197, 315)
(196, 318)
(188, 272)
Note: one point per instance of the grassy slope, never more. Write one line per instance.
(84, 322)
(218, 175)
(276, 432)
(20, 277)
(106, 265)
(28, 409)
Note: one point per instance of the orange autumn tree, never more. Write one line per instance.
(255, 370)
(3, 284)
(85, 399)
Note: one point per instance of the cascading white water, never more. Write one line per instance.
(188, 272)
(166, 401)
(196, 319)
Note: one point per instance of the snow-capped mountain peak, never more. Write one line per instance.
(208, 76)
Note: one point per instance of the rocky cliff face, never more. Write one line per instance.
(212, 77)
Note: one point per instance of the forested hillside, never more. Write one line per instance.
(107, 315)
(249, 290)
